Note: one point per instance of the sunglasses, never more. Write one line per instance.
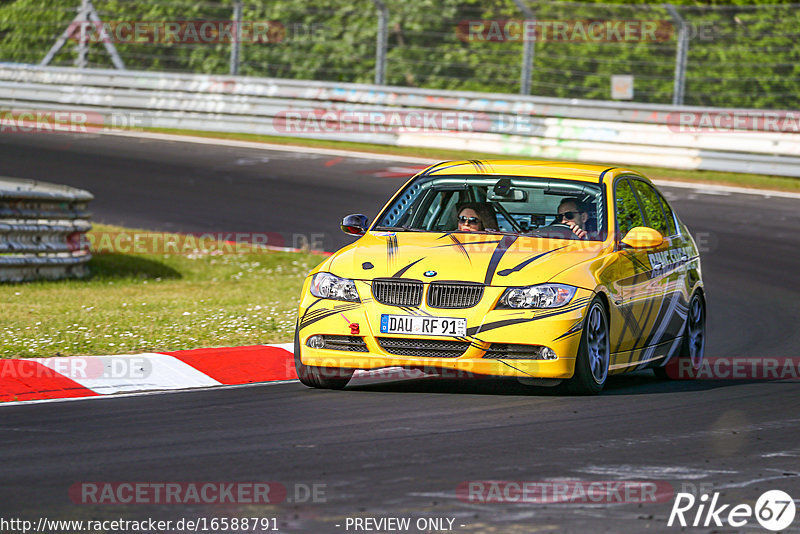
(569, 215)
(469, 220)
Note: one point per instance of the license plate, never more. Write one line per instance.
(425, 326)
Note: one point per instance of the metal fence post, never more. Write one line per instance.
(237, 37)
(528, 49)
(680, 55)
(83, 46)
(86, 14)
(382, 43)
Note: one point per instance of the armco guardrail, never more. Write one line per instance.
(42, 230)
(514, 125)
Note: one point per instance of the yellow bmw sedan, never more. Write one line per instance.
(545, 271)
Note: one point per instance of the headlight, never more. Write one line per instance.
(328, 286)
(540, 296)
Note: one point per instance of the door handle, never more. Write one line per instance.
(656, 266)
(684, 258)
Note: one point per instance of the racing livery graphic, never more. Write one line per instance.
(530, 269)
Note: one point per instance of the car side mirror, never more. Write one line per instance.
(642, 237)
(355, 224)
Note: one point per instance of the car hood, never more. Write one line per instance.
(491, 259)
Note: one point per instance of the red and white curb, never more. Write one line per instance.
(92, 376)
(81, 377)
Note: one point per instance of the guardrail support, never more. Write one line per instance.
(83, 45)
(528, 50)
(237, 37)
(680, 55)
(382, 42)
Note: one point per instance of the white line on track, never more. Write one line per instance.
(142, 393)
(654, 471)
(699, 187)
(271, 146)
(782, 476)
(711, 189)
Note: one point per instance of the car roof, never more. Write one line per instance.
(535, 168)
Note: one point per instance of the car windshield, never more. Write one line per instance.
(503, 204)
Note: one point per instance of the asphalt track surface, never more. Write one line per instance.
(401, 450)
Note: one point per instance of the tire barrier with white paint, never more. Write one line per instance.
(42, 230)
(747, 141)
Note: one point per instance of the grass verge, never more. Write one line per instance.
(156, 302)
(756, 181)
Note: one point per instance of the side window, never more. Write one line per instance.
(627, 209)
(670, 216)
(651, 203)
(437, 211)
(447, 217)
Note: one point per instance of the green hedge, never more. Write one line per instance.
(739, 55)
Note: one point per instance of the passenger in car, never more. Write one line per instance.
(476, 217)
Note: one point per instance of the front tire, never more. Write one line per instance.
(694, 342)
(594, 353)
(319, 377)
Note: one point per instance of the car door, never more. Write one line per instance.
(640, 285)
(672, 259)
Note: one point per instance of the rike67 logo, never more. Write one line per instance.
(774, 510)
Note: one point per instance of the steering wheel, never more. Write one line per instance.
(556, 230)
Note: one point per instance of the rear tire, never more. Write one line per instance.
(319, 377)
(594, 353)
(694, 340)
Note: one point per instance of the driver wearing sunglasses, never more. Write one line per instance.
(572, 213)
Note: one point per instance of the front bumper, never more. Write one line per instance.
(558, 329)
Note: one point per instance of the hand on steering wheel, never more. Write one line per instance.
(577, 230)
(569, 227)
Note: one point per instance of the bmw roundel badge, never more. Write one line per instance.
(430, 273)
